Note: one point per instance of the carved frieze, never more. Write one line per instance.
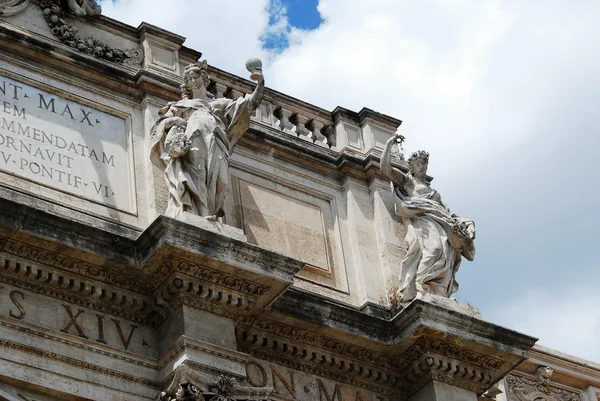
(55, 15)
(187, 385)
(538, 387)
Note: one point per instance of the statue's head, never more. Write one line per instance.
(195, 77)
(418, 162)
(543, 375)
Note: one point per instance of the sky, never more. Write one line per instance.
(505, 96)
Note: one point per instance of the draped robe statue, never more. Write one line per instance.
(192, 141)
(437, 238)
(84, 7)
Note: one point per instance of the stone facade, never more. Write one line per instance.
(288, 296)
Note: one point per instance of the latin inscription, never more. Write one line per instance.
(294, 385)
(71, 321)
(64, 145)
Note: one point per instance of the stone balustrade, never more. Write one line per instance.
(341, 129)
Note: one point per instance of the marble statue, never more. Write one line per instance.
(84, 7)
(437, 238)
(193, 138)
(12, 7)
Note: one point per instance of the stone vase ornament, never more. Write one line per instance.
(437, 238)
(254, 66)
(193, 138)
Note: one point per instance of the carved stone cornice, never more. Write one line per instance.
(105, 274)
(218, 301)
(81, 292)
(391, 373)
(208, 275)
(124, 277)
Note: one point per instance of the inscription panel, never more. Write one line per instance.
(21, 306)
(295, 385)
(65, 145)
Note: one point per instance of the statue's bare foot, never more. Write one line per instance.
(212, 218)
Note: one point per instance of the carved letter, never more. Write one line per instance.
(21, 314)
(290, 388)
(337, 392)
(73, 321)
(67, 110)
(47, 105)
(262, 371)
(100, 329)
(128, 341)
(86, 117)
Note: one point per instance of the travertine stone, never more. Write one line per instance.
(112, 300)
(436, 391)
(285, 225)
(376, 128)
(66, 145)
(161, 50)
(452, 304)
(213, 225)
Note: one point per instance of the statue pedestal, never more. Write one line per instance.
(453, 305)
(214, 226)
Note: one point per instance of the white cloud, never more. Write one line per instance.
(567, 321)
(503, 94)
(420, 61)
(226, 32)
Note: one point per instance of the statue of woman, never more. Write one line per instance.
(193, 138)
(84, 7)
(436, 237)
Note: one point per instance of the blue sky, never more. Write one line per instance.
(504, 94)
(299, 14)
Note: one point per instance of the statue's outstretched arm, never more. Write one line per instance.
(391, 172)
(257, 95)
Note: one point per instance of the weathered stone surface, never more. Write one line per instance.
(287, 297)
(436, 391)
(436, 237)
